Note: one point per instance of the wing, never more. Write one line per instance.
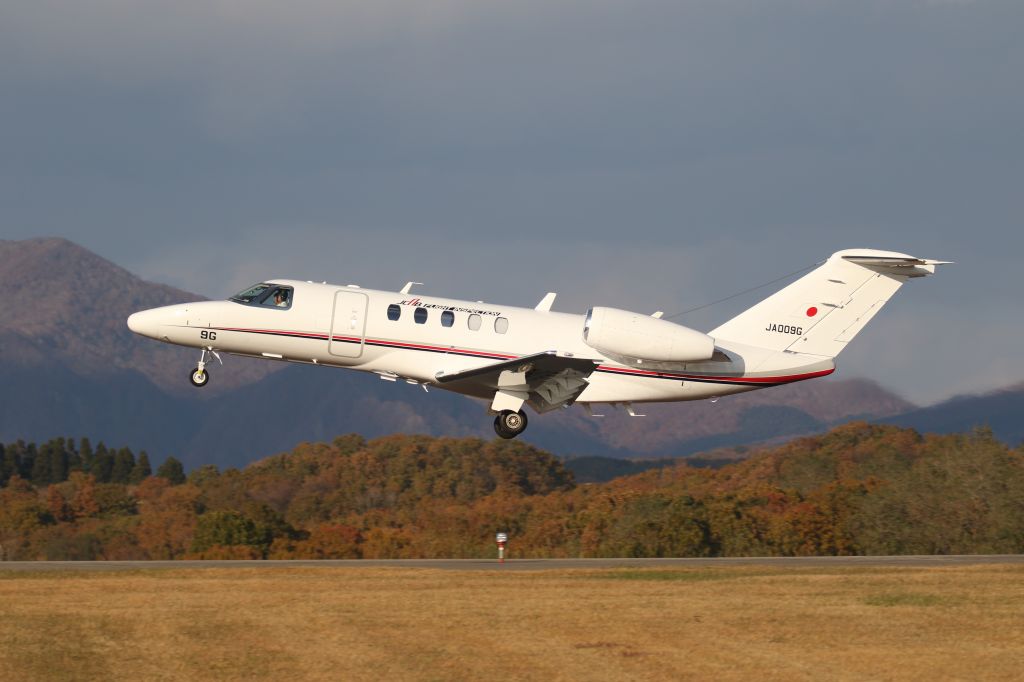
(544, 381)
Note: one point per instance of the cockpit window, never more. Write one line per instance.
(281, 297)
(266, 295)
(253, 294)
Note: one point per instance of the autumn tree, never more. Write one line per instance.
(328, 541)
(21, 515)
(168, 515)
(83, 500)
(57, 505)
(858, 489)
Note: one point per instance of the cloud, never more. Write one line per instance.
(641, 155)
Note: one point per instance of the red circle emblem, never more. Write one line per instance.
(812, 311)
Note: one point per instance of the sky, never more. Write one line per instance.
(649, 155)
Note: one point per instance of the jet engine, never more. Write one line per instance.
(623, 333)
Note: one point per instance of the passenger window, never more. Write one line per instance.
(501, 325)
(420, 316)
(280, 298)
(394, 312)
(447, 318)
(474, 322)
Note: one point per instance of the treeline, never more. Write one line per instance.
(55, 460)
(859, 489)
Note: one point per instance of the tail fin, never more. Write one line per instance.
(822, 311)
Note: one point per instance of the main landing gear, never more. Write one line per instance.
(509, 424)
(200, 377)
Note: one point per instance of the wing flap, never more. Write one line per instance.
(548, 380)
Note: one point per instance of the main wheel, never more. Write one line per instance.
(199, 377)
(510, 424)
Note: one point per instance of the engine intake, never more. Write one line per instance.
(624, 333)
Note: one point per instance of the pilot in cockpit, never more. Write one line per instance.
(281, 298)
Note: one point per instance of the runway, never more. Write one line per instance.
(918, 561)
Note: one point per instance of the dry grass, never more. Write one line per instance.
(374, 623)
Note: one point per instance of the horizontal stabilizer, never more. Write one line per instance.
(897, 266)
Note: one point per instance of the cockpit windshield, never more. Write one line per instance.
(267, 295)
(253, 294)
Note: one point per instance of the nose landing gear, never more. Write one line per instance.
(509, 424)
(199, 376)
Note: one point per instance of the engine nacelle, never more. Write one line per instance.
(623, 333)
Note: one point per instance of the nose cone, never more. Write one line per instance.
(145, 322)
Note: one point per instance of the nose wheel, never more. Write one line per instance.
(199, 376)
(509, 424)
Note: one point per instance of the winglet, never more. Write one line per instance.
(545, 303)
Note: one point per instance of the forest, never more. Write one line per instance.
(859, 489)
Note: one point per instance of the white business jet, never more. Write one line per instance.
(537, 357)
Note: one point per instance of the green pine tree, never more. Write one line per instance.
(87, 455)
(74, 458)
(40, 475)
(58, 461)
(103, 464)
(142, 469)
(172, 470)
(124, 462)
(23, 456)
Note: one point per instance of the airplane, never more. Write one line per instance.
(512, 357)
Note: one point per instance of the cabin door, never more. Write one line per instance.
(348, 326)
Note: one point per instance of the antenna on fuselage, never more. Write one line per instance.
(408, 287)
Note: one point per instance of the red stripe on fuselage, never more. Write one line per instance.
(744, 379)
(375, 342)
(628, 371)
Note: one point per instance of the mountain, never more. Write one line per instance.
(71, 367)
(67, 307)
(1002, 411)
(674, 429)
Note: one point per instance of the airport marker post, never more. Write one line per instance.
(502, 538)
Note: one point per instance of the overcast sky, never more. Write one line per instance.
(647, 155)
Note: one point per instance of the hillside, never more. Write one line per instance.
(70, 311)
(1002, 411)
(70, 365)
(673, 429)
(858, 489)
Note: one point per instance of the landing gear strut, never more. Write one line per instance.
(200, 377)
(509, 424)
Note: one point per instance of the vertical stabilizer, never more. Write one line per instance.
(822, 311)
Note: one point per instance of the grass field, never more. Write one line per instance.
(380, 623)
